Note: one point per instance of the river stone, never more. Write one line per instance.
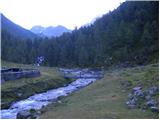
(24, 114)
(27, 114)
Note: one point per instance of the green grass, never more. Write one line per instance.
(50, 78)
(106, 97)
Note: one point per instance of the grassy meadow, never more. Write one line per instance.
(106, 98)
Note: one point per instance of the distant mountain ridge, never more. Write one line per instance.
(49, 31)
(15, 30)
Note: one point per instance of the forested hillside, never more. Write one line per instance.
(129, 35)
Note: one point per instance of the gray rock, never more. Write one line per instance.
(137, 88)
(131, 106)
(155, 109)
(132, 103)
(151, 103)
(130, 95)
(148, 97)
(134, 100)
(59, 101)
(153, 90)
(25, 114)
(19, 94)
(127, 102)
(139, 93)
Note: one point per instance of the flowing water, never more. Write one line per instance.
(40, 100)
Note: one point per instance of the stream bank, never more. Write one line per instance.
(40, 100)
(20, 89)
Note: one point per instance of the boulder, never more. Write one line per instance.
(24, 114)
(27, 114)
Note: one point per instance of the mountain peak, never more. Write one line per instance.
(50, 31)
(37, 29)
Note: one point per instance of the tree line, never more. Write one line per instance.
(129, 34)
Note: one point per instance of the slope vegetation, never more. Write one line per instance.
(129, 35)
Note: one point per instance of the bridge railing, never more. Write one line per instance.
(98, 75)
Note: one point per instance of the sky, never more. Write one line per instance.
(69, 13)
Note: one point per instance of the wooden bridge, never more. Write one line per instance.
(85, 75)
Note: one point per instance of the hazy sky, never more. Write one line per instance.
(69, 13)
